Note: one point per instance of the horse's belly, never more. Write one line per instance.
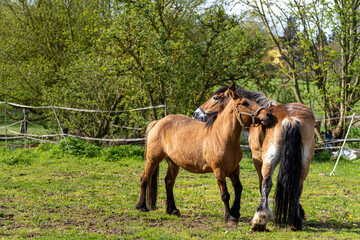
(193, 168)
(190, 162)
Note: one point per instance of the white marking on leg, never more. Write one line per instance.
(272, 156)
(263, 217)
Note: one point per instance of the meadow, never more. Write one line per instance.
(90, 193)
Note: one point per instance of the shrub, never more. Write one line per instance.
(322, 156)
(113, 154)
(80, 148)
(354, 133)
(22, 156)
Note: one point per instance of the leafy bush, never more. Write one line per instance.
(23, 156)
(51, 150)
(354, 133)
(322, 156)
(80, 148)
(114, 154)
(43, 147)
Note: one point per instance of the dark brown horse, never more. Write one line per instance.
(288, 141)
(198, 147)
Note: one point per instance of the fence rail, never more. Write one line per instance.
(45, 138)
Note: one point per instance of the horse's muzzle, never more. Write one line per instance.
(268, 119)
(199, 114)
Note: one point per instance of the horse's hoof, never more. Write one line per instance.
(142, 208)
(230, 219)
(175, 212)
(258, 227)
(233, 222)
(298, 228)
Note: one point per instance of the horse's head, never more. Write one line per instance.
(249, 112)
(210, 108)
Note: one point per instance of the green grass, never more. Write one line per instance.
(47, 193)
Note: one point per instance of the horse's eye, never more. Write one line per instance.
(215, 98)
(245, 104)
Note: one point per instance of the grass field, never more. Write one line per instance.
(47, 193)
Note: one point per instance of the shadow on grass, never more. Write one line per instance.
(320, 226)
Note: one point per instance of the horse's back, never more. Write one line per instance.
(171, 124)
(293, 111)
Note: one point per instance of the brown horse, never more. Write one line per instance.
(288, 141)
(198, 147)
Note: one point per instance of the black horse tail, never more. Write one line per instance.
(153, 184)
(288, 210)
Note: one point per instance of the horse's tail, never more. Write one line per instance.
(153, 184)
(287, 207)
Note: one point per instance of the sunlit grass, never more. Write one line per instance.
(49, 195)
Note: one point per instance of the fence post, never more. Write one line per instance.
(342, 147)
(62, 131)
(24, 124)
(6, 143)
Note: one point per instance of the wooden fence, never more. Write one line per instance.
(61, 134)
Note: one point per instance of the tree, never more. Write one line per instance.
(178, 54)
(312, 62)
(117, 55)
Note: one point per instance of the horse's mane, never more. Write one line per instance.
(257, 97)
(254, 96)
(211, 119)
(220, 90)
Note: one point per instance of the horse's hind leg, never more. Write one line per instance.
(299, 216)
(263, 214)
(235, 208)
(150, 167)
(171, 174)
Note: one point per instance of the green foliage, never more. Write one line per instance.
(120, 55)
(321, 68)
(52, 151)
(354, 133)
(84, 149)
(114, 154)
(80, 148)
(322, 156)
(22, 157)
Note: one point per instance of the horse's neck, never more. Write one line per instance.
(227, 126)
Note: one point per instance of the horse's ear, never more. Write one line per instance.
(232, 87)
(231, 92)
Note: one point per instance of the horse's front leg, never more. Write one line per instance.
(225, 196)
(235, 208)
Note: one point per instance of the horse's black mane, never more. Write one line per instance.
(211, 120)
(220, 90)
(257, 97)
